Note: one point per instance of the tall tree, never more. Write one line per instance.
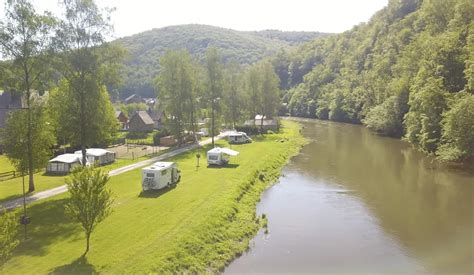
(252, 88)
(214, 85)
(232, 97)
(66, 121)
(90, 201)
(269, 91)
(81, 39)
(16, 137)
(177, 90)
(25, 39)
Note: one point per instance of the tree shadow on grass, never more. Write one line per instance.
(49, 224)
(79, 266)
(151, 194)
(228, 165)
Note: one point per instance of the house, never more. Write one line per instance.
(133, 99)
(150, 102)
(266, 124)
(63, 164)
(141, 122)
(157, 117)
(97, 156)
(122, 119)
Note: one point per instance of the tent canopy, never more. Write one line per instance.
(226, 151)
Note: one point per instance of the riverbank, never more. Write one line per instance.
(199, 226)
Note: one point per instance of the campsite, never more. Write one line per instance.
(236, 137)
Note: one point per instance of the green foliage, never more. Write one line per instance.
(15, 139)
(245, 48)
(393, 74)
(177, 85)
(65, 108)
(90, 201)
(8, 231)
(458, 129)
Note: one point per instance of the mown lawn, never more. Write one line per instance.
(5, 165)
(199, 226)
(12, 188)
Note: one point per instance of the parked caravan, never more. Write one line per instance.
(63, 164)
(98, 156)
(238, 138)
(220, 156)
(160, 175)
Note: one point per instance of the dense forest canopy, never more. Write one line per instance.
(408, 72)
(145, 49)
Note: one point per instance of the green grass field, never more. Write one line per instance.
(198, 226)
(5, 165)
(12, 188)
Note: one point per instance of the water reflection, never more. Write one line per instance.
(353, 201)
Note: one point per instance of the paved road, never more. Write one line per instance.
(63, 188)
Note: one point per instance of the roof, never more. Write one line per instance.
(237, 134)
(161, 165)
(67, 158)
(155, 115)
(260, 117)
(130, 97)
(227, 151)
(95, 152)
(144, 116)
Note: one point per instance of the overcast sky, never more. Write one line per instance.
(134, 16)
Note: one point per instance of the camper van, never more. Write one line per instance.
(220, 156)
(239, 138)
(160, 175)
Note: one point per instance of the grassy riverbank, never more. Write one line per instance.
(200, 225)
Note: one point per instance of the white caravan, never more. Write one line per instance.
(160, 175)
(220, 156)
(238, 138)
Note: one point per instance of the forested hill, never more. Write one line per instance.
(145, 49)
(409, 72)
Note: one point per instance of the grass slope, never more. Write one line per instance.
(199, 226)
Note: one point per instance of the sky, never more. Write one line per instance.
(135, 16)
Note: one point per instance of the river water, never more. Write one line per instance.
(356, 202)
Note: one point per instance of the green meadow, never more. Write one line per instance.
(198, 226)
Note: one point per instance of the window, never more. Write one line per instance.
(163, 172)
(213, 157)
(150, 175)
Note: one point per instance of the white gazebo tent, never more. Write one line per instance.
(63, 164)
(98, 156)
(220, 156)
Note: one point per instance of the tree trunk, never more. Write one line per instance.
(31, 184)
(212, 123)
(261, 125)
(83, 126)
(88, 236)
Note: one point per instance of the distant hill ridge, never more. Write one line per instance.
(245, 47)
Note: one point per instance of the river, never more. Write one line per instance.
(356, 202)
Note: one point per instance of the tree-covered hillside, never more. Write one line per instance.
(408, 72)
(145, 49)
